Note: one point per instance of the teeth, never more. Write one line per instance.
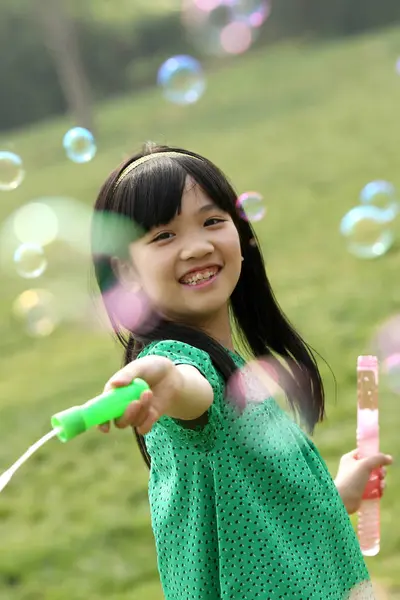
(203, 276)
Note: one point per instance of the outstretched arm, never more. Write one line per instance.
(178, 391)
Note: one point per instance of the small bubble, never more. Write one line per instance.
(367, 232)
(11, 171)
(79, 145)
(35, 308)
(381, 194)
(30, 261)
(182, 80)
(251, 206)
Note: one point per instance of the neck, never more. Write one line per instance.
(218, 327)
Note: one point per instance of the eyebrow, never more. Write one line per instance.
(207, 207)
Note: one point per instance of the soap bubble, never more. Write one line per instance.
(383, 195)
(251, 206)
(11, 171)
(385, 345)
(30, 261)
(363, 591)
(36, 309)
(36, 223)
(236, 38)
(253, 383)
(182, 80)
(223, 27)
(254, 12)
(367, 232)
(391, 372)
(79, 145)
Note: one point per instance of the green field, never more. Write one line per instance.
(305, 125)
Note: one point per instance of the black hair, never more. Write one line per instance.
(150, 195)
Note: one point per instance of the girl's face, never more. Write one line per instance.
(189, 267)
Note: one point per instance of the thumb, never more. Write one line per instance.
(376, 461)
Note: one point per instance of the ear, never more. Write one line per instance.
(125, 273)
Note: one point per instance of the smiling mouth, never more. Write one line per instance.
(200, 277)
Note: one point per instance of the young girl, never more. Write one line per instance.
(242, 504)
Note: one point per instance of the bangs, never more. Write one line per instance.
(151, 195)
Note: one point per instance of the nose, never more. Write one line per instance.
(196, 247)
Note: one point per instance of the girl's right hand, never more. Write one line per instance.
(165, 383)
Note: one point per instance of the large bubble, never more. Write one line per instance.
(225, 26)
(182, 80)
(385, 344)
(367, 231)
(36, 223)
(383, 195)
(12, 172)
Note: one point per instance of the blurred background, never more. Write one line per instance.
(298, 102)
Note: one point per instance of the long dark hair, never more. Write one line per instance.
(150, 195)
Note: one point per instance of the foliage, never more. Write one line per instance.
(307, 126)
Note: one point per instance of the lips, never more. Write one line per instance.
(200, 274)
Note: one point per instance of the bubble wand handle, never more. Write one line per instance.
(368, 444)
(106, 407)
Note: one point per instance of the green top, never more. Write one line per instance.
(244, 507)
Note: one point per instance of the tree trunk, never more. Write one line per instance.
(61, 41)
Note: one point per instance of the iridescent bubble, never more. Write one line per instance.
(383, 195)
(36, 310)
(79, 145)
(386, 340)
(12, 172)
(224, 27)
(385, 344)
(251, 206)
(367, 232)
(253, 12)
(112, 234)
(391, 372)
(236, 38)
(182, 80)
(363, 591)
(254, 383)
(36, 223)
(129, 308)
(30, 261)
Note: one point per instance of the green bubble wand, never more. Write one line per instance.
(73, 421)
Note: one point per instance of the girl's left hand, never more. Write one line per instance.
(353, 476)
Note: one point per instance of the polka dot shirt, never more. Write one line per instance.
(244, 507)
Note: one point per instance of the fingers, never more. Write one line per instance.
(118, 380)
(137, 412)
(104, 428)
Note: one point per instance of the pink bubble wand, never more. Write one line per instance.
(368, 445)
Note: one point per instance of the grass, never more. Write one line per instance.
(307, 126)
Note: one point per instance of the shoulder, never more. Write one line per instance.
(181, 353)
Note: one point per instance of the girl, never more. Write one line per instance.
(231, 519)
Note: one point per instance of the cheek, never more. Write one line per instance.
(232, 249)
(155, 273)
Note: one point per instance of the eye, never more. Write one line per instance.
(161, 237)
(214, 221)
